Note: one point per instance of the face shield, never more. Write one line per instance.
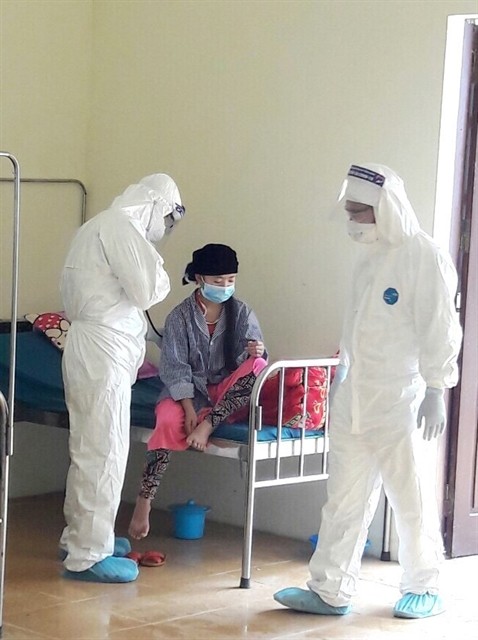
(362, 188)
(379, 187)
(358, 200)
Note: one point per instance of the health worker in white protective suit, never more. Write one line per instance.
(111, 275)
(399, 350)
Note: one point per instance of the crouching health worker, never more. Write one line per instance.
(111, 275)
(399, 350)
(212, 352)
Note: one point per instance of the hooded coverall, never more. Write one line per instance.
(401, 334)
(111, 274)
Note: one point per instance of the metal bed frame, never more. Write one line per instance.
(255, 450)
(6, 416)
(280, 449)
(73, 181)
(7, 408)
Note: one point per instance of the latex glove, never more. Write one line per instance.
(340, 375)
(432, 413)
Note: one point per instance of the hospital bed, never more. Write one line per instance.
(39, 399)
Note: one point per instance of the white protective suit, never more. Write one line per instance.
(401, 334)
(111, 274)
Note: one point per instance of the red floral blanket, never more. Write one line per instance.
(294, 392)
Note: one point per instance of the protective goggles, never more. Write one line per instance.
(176, 214)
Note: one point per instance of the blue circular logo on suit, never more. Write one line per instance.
(390, 295)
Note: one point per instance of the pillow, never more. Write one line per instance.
(53, 325)
(147, 370)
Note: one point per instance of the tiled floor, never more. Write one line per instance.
(195, 595)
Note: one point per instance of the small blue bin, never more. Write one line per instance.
(189, 520)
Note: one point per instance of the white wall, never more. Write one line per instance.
(257, 109)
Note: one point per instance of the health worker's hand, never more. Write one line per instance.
(432, 413)
(340, 375)
(255, 348)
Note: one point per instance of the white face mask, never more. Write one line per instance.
(156, 227)
(365, 232)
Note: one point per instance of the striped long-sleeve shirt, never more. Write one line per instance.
(191, 358)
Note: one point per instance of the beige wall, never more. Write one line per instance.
(257, 109)
(45, 65)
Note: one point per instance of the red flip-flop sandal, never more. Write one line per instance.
(134, 555)
(147, 559)
(152, 559)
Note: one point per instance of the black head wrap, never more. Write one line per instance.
(211, 260)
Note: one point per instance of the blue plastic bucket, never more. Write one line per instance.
(189, 519)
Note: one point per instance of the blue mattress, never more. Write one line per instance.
(39, 386)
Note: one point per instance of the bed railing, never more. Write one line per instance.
(7, 416)
(73, 181)
(299, 451)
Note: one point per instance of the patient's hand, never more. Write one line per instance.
(190, 420)
(255, 348)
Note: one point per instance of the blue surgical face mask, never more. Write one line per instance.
(215, 293)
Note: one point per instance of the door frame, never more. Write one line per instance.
(458, 194)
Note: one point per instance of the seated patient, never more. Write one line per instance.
(211, 355)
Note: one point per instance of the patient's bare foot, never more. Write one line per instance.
(198, 439)
(139, 525)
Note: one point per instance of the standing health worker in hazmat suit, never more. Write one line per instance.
(111, 275)
(399, 350)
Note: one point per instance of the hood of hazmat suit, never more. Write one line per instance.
(401, 329)
(149, 203)
(112, 273)
(382, 189)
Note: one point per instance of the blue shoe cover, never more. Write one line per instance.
(308, 602)
(122, 548)
(412, 605)
(110, 569)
